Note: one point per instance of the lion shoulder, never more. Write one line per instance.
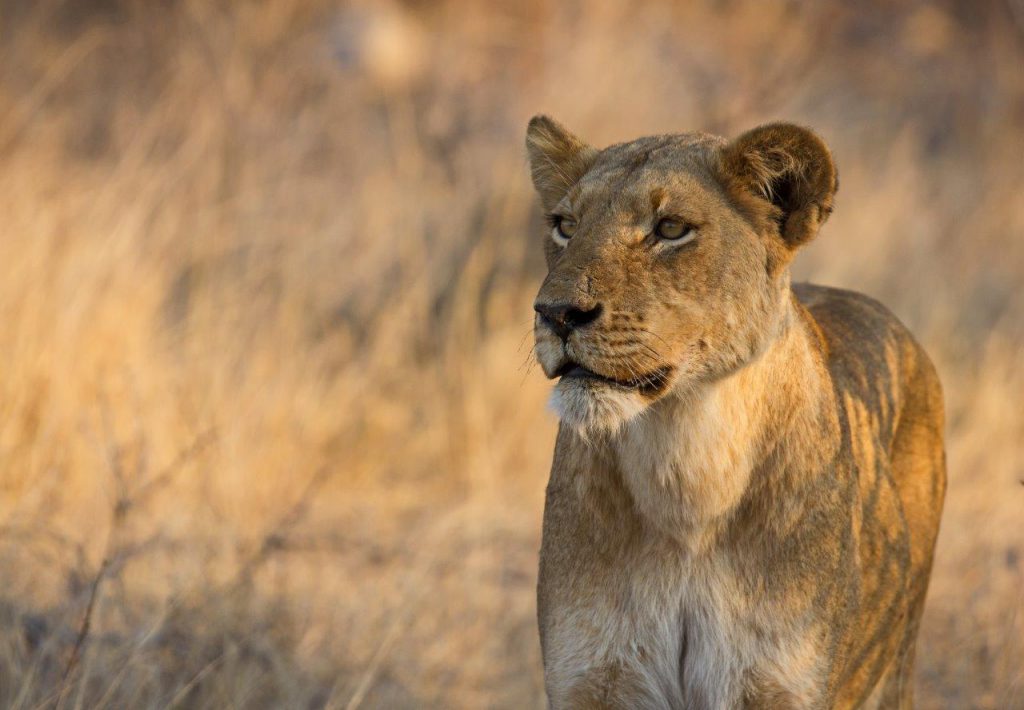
(871, 356)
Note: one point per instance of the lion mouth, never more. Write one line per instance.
(647, 383)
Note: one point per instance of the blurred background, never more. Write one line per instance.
(270, 435)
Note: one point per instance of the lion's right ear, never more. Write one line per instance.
(558, 159)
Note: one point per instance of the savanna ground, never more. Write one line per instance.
(269, 434)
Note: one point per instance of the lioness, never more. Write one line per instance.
(748, 477)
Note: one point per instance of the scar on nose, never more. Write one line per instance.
(588, 285)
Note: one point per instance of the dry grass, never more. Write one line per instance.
(269, 435)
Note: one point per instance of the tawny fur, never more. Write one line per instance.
(754, 526)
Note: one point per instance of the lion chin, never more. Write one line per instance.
(593, 408)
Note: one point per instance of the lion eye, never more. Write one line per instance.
(672, 229)
(566, 227)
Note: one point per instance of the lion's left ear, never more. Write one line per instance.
(785, 176)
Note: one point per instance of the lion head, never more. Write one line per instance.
(667, 259)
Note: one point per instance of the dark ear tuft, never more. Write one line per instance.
(558, 159)
(789, 173)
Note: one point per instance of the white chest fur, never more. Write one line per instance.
(688, 461)
(664, 636)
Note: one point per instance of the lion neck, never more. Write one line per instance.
(689, 459)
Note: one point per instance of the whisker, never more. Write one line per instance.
(652, 353)
(522, 341)
(651, 332)
(528, 360)
(649, 355)
(652, 378)
(630, 362)
(633, 376)
(530, 363)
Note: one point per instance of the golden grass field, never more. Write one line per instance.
(269, 431)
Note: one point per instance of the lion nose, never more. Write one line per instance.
(563, 318)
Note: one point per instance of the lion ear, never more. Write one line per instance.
(785, 175)
(558, 159)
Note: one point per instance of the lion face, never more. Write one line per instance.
(667, 262)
